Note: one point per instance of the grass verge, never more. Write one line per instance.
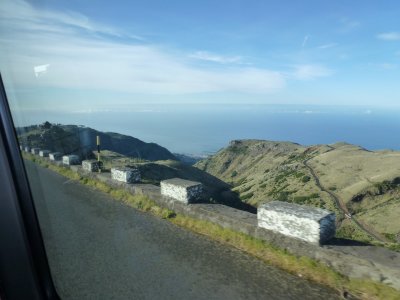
(300, 266)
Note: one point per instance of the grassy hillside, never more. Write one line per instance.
(344, 178)
(81, 140)
(216, 190)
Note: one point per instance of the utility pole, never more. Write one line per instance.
(98, 152)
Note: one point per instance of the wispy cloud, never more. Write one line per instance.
(207, 56)
(386, 66)
(18, 14)
(389, 36)
(309, 72)
(348, 25)
(327, 46)
(86, 55)
(305, 40)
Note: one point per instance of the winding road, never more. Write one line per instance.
(340, 204)
(98, 248)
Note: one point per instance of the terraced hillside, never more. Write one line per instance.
(361, 186)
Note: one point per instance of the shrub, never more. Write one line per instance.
(305, 179)
(246, 196)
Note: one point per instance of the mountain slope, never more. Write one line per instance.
(344, 178)
(82, 140)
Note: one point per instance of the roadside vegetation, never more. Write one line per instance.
(299, 266)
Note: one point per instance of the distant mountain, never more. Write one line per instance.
(81, 140)
(344, 178)
(188, 159)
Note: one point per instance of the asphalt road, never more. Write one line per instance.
(99, 248)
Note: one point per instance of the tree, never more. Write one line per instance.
(47, 125)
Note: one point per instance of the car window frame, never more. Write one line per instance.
(24, 268)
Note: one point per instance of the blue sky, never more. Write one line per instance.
(83, 55)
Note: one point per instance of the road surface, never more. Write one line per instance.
(99, 248)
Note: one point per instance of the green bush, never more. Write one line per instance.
(305, 179)
(246, 196)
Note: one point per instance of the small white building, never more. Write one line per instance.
(55, 156)
(71, 159)
(91, 165)
(44, 153)
(35, 150)
(125, 174)
(185, 191)
(313, 225)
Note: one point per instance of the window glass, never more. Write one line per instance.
(230, 149)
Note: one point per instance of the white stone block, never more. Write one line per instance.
(71, 159)
(313, 225)
(21, 147)
(91, 165)
(128, 175)
(55, 156)
(27, 149)
(35, 150)
(182, 190)
(44, 153)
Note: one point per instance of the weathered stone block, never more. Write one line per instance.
(182, 190)
(310, 224)
(44, 153)
(71, 159)
(35, 150)
(55, 156)
(128, 175)
(91, 165)
(27, 149)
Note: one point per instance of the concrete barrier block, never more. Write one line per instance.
(55, 156)
(44, 153)
(182, 190)
(71, 160)
(35, 150)
(91, 165)
(313, 225)
(128, 175)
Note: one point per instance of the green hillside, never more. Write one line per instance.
(81, 140)
(343, 178)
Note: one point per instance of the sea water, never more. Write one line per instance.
(204, 129)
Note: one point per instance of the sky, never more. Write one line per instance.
(83, 55)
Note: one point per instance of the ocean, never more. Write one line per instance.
(202, 130)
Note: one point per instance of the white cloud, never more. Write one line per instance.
(18, 14)
(305, 40)
(87, 55)
(348, 25)
(386, 66)
(309, 72)
(327, 46)
(207, 56)
(389, 36)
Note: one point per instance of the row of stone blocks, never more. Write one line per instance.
(54, 156)
(313, 225)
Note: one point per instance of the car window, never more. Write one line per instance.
(230, 150)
